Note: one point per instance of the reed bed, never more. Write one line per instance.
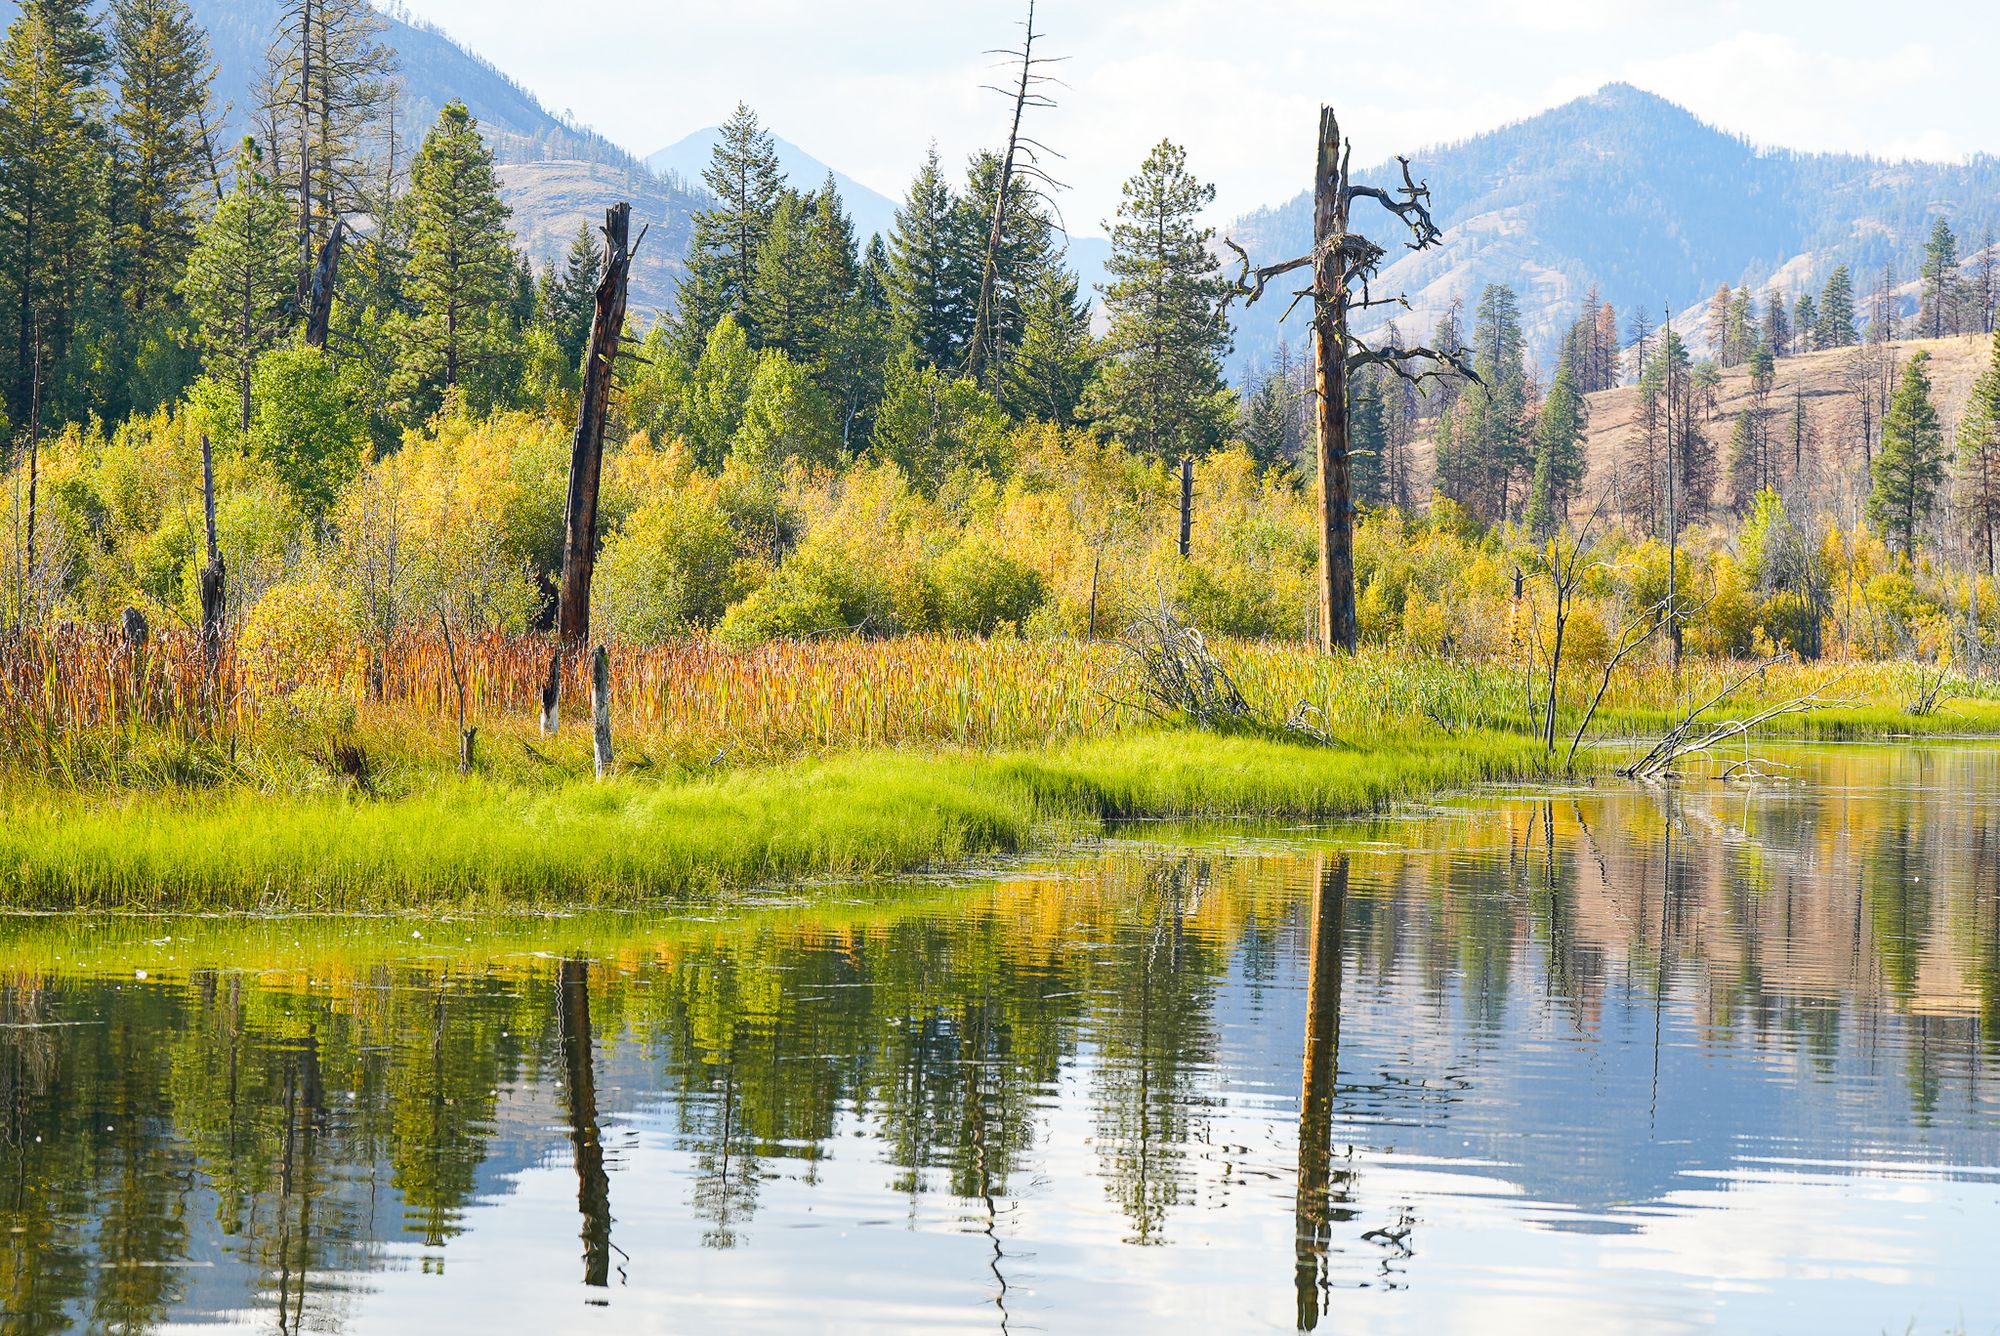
(81, 707)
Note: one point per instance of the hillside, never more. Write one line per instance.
(555, 175)
(1823, 383)
(1628, 192)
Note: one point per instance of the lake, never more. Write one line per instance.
(1710, 1056)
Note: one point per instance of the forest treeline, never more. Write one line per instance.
(834, 433)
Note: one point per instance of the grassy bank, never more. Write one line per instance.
(471, 842)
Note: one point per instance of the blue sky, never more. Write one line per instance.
(867, 85)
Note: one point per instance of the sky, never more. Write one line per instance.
(868, 85)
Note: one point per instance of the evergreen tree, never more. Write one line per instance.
(53, 177)
(1834, 327)
(461, 275)
(932, 289)
(164, 74)
(1776, 335)
(1368, 440)
(806, 274)
(1047, 377)
(1805, 324)
(238, 285)
(328, 79)
(722, 262)
(1160, 387)
(1559, 458)
(1717, 328)
(1939, 313)
(1492, 412)
(566, 296)
(1909, 468)
(79, 39)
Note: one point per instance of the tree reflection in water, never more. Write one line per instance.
(1600, 994)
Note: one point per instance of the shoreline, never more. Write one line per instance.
(471, 843)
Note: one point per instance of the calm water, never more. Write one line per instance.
(1719, 1058)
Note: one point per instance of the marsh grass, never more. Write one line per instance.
(478, 842)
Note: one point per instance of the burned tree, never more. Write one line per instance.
(586, 459)
(319, 297)
(1344, 262)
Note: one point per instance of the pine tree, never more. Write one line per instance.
(1834, 327)
(1805, 324)
(1160, 387)
(1493, 411)
(931, 287)
(1909, 468)
(79, 40)
(1559, 459)
(461, 275)
(1776, 335)
(1368, 440)
(1939, 313)
(728, 239)
(238, 286)
(1047, 377)
(806, 275)
(328, 79)
(566, 296)
(1604, 375)
(1717, 327)
(53, 179)
(164, 74)
(1739, 328)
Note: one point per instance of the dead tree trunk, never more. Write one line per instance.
(319, 301)
(1021, 159)
(1338, 627)
(600, 711)
(586, 458)
(214, 582)
(1187, 503)
(1343, 262)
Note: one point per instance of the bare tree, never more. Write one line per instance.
(1022, 160)
(1344, 263)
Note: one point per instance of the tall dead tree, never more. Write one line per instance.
(1344, 263)
(586, 456)
(1022, 160)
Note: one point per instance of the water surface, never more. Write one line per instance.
(1712, 1057)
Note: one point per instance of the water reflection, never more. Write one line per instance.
(1652, 1061)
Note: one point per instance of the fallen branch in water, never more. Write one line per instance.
(1692, 735)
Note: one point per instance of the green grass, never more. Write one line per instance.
(476, 842)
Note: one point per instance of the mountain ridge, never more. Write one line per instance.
(1631, 193)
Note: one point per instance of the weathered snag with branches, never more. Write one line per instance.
(1344, 264)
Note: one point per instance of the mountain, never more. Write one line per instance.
(554, 175)
(1635, 195)
(686, 159)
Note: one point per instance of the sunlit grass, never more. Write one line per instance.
(478, 842)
